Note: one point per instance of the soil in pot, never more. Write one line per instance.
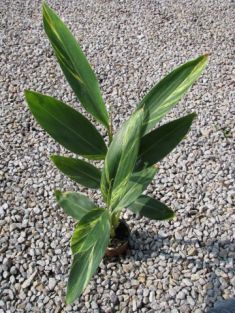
(119, 244)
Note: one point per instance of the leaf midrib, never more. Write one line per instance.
(71, 129)
(192, 72)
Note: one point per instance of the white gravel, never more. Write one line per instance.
(178, 267)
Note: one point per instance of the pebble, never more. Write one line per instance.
(52, 283)
(29, 280)
(184, 265)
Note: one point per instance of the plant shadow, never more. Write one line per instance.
(145, 245)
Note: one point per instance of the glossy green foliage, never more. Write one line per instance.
(74, 204)
(67, 126)
(151, 208)
(129, 162)
(89, 242)
(120, 160)
(169, 91)
(161, 141)
(80, 171)
(137, 183)
(74, 65)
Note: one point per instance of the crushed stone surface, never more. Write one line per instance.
(181, 266)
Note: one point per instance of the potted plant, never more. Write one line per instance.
(129, 159)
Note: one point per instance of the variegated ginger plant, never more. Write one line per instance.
(129, 159)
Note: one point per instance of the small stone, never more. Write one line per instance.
(152, 296)
(190, 301)
(127, 267)
(134, 283)
(178, 236)
(94, 305)
(29, 281)
(192, 251)
(36, 210)
(51, 283)
(180, 295)
(134, 305)
(172, 292)
(142, 278)
(113, 297)
(233, 281)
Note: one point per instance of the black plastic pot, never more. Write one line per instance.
(120, 243)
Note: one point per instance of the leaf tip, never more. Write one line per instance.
(205, 58)
(45, 6)
(207, 55)
(193, 115)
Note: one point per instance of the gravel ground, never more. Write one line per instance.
(181, 266)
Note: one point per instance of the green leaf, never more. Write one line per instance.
(89, 242)
(169, 91)
(137, 184)
(120, 159)
(74, 204)
(74, 65)
(80, 171)
(151, 208)
(67, 126)
(157, 144)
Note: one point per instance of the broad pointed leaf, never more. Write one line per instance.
(74, 65)
(137, 184)
(157, 144)
(151, 208)
(89, 242)
(74, 204)
(120, 159)
(67, 126)
(80, 171)
(169, 91)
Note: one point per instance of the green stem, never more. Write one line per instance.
(115, 219)
(112, 233)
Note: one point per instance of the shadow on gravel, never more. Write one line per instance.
(218, 251)
(227, 306)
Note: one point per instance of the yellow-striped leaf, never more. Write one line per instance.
(74, 204)
(120, 159)
(89, 242)
(74, 65)
(169, 91)
(138, 182)
(80, 171)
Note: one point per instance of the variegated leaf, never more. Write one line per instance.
(137, 184)
(67, 126)
(74, 65)
(162, 97)
(78, 170)
(74, 204)
(120, 159)
(89, 242)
